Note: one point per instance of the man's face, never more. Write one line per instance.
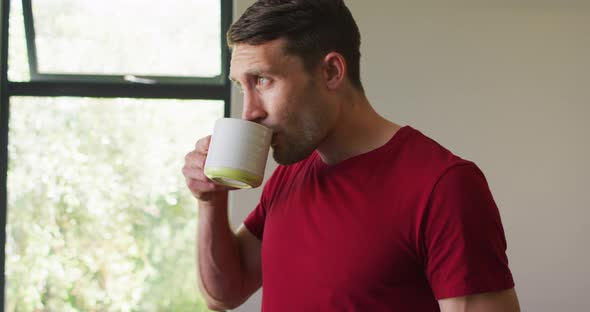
(280, 94)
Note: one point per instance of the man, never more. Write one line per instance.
(362, 214)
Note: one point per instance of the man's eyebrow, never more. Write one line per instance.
(254, 73)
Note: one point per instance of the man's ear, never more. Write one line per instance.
(334, 70)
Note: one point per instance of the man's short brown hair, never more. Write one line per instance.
(312, 28)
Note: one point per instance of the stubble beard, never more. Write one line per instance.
(302, 138)
(294, 147)
(304, 131)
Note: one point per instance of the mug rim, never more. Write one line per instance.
(230, 119)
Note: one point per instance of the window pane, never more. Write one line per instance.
(139, 37)
(18, 61)
(99, 217)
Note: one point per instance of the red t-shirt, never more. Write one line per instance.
(393, 229)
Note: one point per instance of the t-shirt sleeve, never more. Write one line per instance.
(254, 222)
(464, 239)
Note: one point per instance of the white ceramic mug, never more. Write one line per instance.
(238, 153)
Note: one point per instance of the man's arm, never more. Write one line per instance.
(228, 263)
(502, 301)
(229, 266)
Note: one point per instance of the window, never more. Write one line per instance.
(100, 101)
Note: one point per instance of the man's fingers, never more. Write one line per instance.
(202, 145)
(194, 173)
(202, 187)
(194, 159)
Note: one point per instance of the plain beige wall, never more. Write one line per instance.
(507, 85)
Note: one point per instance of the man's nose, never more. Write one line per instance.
(252, 108)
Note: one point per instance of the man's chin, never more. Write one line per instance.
(279, 158)
(283, 157)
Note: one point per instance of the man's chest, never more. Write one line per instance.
(340, 239)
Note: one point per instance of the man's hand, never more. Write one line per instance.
(202, 188)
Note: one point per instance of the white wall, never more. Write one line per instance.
(506, 84)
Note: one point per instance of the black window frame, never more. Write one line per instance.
(99, 86)
(37, 76)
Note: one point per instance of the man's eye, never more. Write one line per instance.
(262, 81)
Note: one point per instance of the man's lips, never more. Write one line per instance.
(274, 140)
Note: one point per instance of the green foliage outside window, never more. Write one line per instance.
(99, 218)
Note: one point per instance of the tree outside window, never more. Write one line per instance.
(98, 216)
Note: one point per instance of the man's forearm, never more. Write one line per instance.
(218, 256)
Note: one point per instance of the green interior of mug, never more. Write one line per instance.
(233, 177)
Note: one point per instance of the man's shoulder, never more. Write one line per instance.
(426, 156)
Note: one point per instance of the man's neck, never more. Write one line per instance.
(358, 130)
